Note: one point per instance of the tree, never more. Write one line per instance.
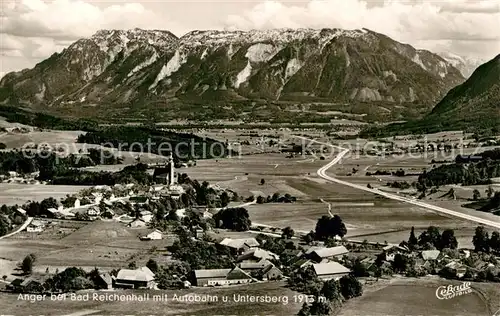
(495, 241)
(287, 233)
(152, 265)
(476, 195)
(330, 227)
(320, 308)
(224, 199)
(262, 181)
(448, 240)
(308, 238)
(4, 277)
(233, 218)
(489, 191)
(481, 240)
(350, 287)
(260, 199)
(28, 263)
(48, 203)
(400, 263)
(412, 241)
(132, 265)
(305, 310)
(430, 236)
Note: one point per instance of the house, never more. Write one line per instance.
(36, 226)
(250, 266)
(457, 268)
(93, 211)
(302, 263)
(28, 285)
(21, 211)
(216, 277)
(154, 234)
(430, 254)
(137, 223)
(104, 281)
(141, 278)
(257, 254)
(139, 200)
(108, 213)
(271, 272)
(330, 270)
(146, 216)
(320, 254)
(240, 245)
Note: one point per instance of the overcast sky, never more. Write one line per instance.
(31, 30)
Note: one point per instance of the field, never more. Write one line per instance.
(367, 216)
(418, 297)
(103, 244)
(13, 193)
(168, 307)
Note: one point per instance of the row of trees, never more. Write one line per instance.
(467, 174)
(326, 295)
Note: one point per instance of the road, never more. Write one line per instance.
(23, 227)
(343, 151)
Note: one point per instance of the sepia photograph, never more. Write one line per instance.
(250, 158)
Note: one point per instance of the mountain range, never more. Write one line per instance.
(130, 71)
(473, 106)
(466, 65)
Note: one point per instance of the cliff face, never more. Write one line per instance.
(125, 68)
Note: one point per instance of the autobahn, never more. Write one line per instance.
(343, 151)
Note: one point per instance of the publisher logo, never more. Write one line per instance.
(451, 291)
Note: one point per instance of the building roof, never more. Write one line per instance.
(330, 252)
(237, 274)
(430, 254)
(106, 277)
(142, 274)
(329, 268)
(239, 243)
(211, 273)
(258, 253)
(254, 265)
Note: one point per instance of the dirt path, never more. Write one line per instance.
(23, 227)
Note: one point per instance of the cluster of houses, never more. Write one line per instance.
(140, 278)
(256, 264)
(432, 261)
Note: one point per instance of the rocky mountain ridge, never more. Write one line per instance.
(154, 68)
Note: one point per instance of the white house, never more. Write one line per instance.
(330, 270)
(36, 226)
(93, 211)
(152, 235)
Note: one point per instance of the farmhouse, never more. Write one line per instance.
(139, 200)
(257, 254)
(137, 223)
(217, 277)
(135, 279)
(146, 216)
(271, 272)
(36, 226)
(319, 254)
(28, 285)
(93, 211)
(154, 234)
(430, 254)
(330, 270)
(457, 268)
(240, 245)
(104, 281)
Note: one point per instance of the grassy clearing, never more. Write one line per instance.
(13, 193)
(169, 307)
(416, 297)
